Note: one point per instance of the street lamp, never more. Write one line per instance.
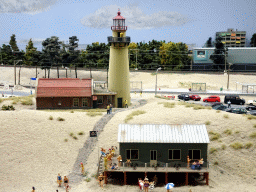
(156, 79)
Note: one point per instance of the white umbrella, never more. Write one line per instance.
(169, 185)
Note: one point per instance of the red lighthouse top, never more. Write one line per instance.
(119, 22)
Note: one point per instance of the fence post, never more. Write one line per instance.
(166, 165)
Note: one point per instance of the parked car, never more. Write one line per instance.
(220, 107)
(212, 98)
(195, 97)
(253, 112)
(184, 97)
(215, 104)
(234, 99)
(237, 110)
(250, 107)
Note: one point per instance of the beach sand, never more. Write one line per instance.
(33, 150)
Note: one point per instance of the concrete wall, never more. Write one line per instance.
(162, 151)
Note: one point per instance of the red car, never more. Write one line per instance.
(195, 97)
(212, 98)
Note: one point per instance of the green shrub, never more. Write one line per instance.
(75, 137)
(213, 150)
(223, 147)
(93, 114)
(208, 107)
(228, 131)
(253, 135)
(14, 102)
(226, 116)
(237, 132)
(216, 163)
(71, 134)
(94, 176)
(237, 145)
(60, 119)
(88, 179)
(218, 111)
(167, 104)
(72, 111)
(185, 84)
(134, 113)
(1, 100)
(248, 145)
(66, 140)
(207, 123)
(50, 118)
(85, 173)
(7, 108)
(215, 136)
(251, 117)
(254, 125)
(81, 133)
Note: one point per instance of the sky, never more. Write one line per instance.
(187, 21)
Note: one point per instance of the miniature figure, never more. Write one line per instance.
(128, 162)
(59, 180)
(146, 184)
(188, 161)
(101, 180)
(82, 168)
(119, 159)
(33, 189)
(66, 181)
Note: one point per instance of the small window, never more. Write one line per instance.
(132, 154)
(85, 102)
(76, 102)
(100, 99)
(194, 154)
(200, 52)
(174, 154)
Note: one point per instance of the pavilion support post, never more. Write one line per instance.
(166, 177)
(186, 182)
(206, 175)
(106, 177)
(125, 183)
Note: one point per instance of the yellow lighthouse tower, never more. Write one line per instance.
(118, 80)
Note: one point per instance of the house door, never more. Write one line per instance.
(120, 102)
(95, 104)
(153, 159)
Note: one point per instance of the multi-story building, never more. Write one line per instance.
(233, 38)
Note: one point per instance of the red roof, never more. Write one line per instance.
(118, 16)
(64, 87)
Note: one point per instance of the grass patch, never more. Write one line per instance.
(207, 123)
(134, 113)
(93, 114)
(81, 133)
(216, 163)
(72, 111)
(254, 125)
(94, 176)
(215, 136)
(65, 140)
(88, 179)
(185, 84)
(154, 73)
(8, 108)
(250, 117)
(50, 118)
(253, 135)
(213, 150)
(167, 104)
(248, 145)
(1, 100)
(218, 111)
(208, 107)
(60, 119)
(71, 134)
(27, 102)
(237, 132)
(160, 97)
(223, 147)
(14, 102)
(236, 145)
(85, 173)
(226, 116)
(76, 110)
(228, 131)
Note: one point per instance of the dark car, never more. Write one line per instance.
(234, 99)
(220, 107)
(237, 110)
(215, 104)
(250, 107)
(195, 97)
(184, 97)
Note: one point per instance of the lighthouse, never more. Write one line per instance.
(118, 80)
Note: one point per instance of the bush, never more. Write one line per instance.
(85, 173)
(223, 147)
(94, 176)
(218, 111)
(168, 104)
(248, 145)
(237, 145)
(215, 136)
(88, 179)
(60, 119)
(213, 150)
(71, 134)
(207, 123)
(50, 118)
(228, 131)
(72, 111)
(81, 133)
(237, 132)
(1, 100)
(75, 137)
(7, 108)
(226, 116)
(253, 135)
(93, 114)
(66, 140)
(27, 102)
(14, 102)
(254, 125)
(251, 117)
(216, 163)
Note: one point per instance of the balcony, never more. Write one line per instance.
(117, 28)
(119, 39)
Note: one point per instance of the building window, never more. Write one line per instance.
(132, 154)
(75, 102)
(85, 102)
(109, 99)
(100, 99)
(174, 154)
(194, 154)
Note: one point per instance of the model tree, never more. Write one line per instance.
(31, 56)
(218, 57)
(209, 42)
(253, 40)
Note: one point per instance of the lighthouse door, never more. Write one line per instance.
(120, 102)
